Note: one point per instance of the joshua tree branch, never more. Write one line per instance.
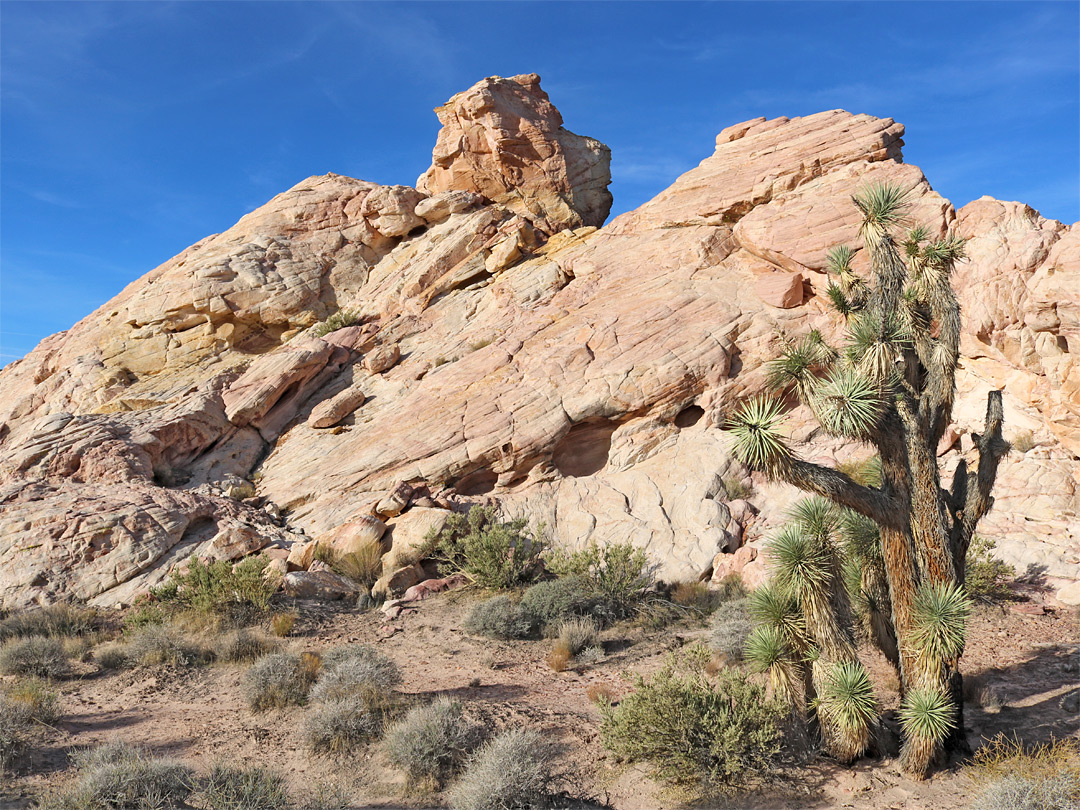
(841, 489)
(970, 498)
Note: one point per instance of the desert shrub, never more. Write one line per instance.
(164, 644)
(229, 788)
(866, 471)
(493, 553)
(735, 489)
(34, 655)
(510, 772)
(730, 627)
(339, 320)
(117, 776)
(363, 565)
(499, 617)
(356, 670)
(324, 795)
(281, 624)
(696, 596)
(341, 723)
(731, 587)
(577, 633)
(694, 731)
(33, 694)
(54, 621)
(221, 588)
(1023, 441)
(431, 742)
(16, 723)
(985, 576)
(112, 656)
(244, 646)
(1007, 777)
(620, 573)
(278, 680)
(573, 595)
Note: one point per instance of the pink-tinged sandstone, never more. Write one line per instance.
(510, 352)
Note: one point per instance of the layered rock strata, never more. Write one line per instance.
(504, 349)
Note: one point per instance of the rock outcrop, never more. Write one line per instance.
(504, 139)
(506, 349)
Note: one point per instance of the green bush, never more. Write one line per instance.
(162, 645)
(54, 621)
(112, 656)
(620, 572)
(735, 489)
(730, 627)
(118, 776)
(694, 731)
(229, 788)
(499, 617)
(278, 680)
(219, 588)
(548, 603)
(431, 742)
(35, 655)
(339, 320)
(510, 772)
(985, 576)
(494, 554)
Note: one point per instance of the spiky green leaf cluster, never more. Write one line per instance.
(817, 517)
(927, 713)
(847, 697)
(882, 204)
(938, 620)
(876, 344)
(758, 443)
(799, 362)
(801, 563)
(849, 404)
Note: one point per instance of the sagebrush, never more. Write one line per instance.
(431, 743)
(512, 771)
(493, 553)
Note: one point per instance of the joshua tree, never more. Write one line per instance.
(906, 537)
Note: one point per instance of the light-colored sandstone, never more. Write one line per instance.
(331, 411)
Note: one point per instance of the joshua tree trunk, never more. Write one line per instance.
(893, 389)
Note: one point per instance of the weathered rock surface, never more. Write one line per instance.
(572, 375)
(503, 139)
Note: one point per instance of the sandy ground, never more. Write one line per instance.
(198, 715)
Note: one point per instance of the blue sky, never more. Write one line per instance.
(132, 129)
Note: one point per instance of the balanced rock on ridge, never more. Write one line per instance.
(512, 352)
(504, 139)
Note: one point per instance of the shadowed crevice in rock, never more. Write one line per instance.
(585, 449)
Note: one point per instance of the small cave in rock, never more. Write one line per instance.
(584, 450)
(479, 482)
(689, 416)
(199, 530)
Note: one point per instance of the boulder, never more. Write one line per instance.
(724, 565)
(329, 412)
(355, 535)
(321, 584)
(382, 358)
(396, 501)
(504, 140)
(397, 581)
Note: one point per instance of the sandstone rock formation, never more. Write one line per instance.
(506, 349)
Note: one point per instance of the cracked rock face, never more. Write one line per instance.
(504, 348)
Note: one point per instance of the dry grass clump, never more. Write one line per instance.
(730, 627)
(499, 617)
(281, 624)
(512, 770)
(696, 596)
(600, 693)
(244, 646)
(117, 776)
(578, 633)
(163, 645)
(363, 565)
(1008, 777)
(229, 788)
(1023, 441)
(431, 743)
(560, 657)
(40, 702)
(38, 656)
(54, 621)
(16, 724)
(112, 656)
(352, 699)
(339, 320)
(279, 680)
